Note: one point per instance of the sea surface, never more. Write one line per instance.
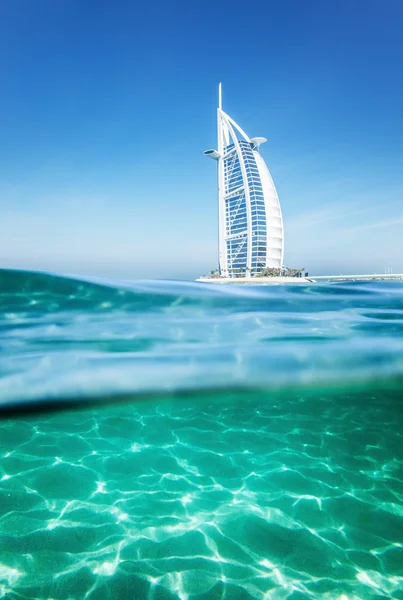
(173, 440)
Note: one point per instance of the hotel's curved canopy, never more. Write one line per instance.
(251, 234)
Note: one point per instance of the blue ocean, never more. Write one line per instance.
(183, 441)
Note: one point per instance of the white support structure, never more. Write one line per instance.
(248, 205)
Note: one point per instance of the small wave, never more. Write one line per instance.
(64, 338)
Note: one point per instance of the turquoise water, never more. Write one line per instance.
(174, 440)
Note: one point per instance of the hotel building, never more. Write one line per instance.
(251, 234)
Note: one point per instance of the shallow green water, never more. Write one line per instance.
(259, 495)
(289, 490)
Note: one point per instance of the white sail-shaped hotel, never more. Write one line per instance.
(251, 235)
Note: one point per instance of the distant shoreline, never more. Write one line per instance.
(296, 280)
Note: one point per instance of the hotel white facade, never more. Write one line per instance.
(251, 234)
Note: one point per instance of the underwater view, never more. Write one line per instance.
(174, 440)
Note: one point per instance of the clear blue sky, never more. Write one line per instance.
(106, 108)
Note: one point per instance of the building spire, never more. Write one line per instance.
(219, 96)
